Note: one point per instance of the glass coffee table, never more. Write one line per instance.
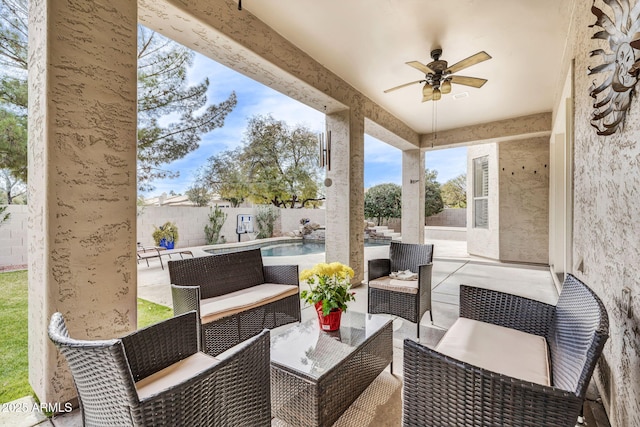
(316, 375)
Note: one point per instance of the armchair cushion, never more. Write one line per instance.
(389, 284)
(498, 349)
(215, 308)
(173, 375)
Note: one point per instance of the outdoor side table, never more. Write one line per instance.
(316, 375)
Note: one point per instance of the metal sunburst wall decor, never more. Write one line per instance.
(612, 94)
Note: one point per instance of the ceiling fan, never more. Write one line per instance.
(439, 76)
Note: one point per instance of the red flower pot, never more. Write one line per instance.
(330, 322)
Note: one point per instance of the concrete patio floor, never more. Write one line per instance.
(452, 267)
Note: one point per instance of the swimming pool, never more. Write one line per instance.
(302, 248)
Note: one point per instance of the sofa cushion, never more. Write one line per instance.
(215, 308)
(390, 284)
(498, 349)
(174, 374)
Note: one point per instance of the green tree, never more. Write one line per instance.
(224, 174)
(383, 201)
(12, 189)
(163, 92)
(199, 194)
(281, 162)
(13, 143)
(454, 192)
(432, 199)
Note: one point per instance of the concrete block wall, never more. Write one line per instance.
(13, 238)
(192, 220)
(449, 217)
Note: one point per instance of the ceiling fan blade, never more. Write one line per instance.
(468, 81)
(468, 62)
(404, 85)
(420, 67)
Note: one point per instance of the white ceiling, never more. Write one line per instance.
(367, 42)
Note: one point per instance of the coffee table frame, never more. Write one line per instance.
(301, 400)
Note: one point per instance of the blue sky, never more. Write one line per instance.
(383, 163)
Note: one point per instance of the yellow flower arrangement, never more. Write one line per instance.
(330, 284)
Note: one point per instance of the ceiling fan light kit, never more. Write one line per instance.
(439, 76)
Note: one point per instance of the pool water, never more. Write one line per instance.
(300, 248)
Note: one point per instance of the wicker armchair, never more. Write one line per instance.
(157, 377)
(442, 391)
(404, 299)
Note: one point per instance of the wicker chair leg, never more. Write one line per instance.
(418, 328)
(431, 316)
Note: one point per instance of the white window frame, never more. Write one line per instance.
(480, 190)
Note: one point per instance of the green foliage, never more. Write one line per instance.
(383, 201)
(12, 190)
(277, 164)
(163, 89)
(225, 174)
(266, 217)
(14, 361)
(167, 231)
(281, 162)
(329, 284)
(454, 192)
(216, 221)
(14, 23)
(199, 194)
(432, 199)
(13, 145)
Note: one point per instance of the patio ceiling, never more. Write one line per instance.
(367, 42)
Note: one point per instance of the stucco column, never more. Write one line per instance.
(82, 178)
(413, 196)
(345, 196)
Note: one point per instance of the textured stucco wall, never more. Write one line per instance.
(523, 169)
(607, 224)
(82, 179)
(345, 196)
(484, 242)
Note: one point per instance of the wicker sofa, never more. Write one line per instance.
(484, 371)
(235, 296)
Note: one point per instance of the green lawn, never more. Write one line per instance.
(14, 376)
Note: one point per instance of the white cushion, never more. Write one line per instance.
(390, 284)
(496, 348)
(215, 308)
(174, 374)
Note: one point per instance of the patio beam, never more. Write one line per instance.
(82, 179)
(525, 127)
